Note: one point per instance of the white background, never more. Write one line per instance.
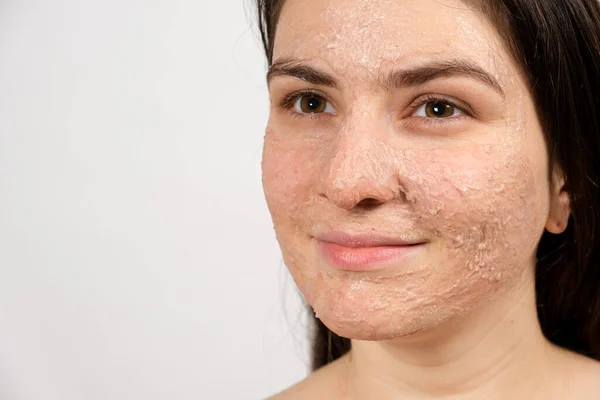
(137, 256)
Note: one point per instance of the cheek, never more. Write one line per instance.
(288, 170)
(488, 207)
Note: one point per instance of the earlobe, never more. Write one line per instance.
(557, 225)
(560, 205)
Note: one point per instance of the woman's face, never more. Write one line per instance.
(417, 126)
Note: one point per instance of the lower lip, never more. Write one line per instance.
(363, 258)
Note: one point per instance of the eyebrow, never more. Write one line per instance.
(298, 69)
(396, 79)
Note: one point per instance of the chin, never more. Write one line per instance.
(376, 328)
(384, 309)
(375, 313)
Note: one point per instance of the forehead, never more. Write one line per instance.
(366, 36)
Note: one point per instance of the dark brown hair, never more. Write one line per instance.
(557, 45)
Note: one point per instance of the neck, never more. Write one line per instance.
(497, 352)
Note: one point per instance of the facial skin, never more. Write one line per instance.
(473, 185)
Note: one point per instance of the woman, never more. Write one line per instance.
(432, 171)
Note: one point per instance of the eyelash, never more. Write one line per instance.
(288, 102)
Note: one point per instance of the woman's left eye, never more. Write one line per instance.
(438, 109)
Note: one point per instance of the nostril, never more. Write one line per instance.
(368, 203)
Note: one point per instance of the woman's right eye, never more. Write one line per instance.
(312, 104)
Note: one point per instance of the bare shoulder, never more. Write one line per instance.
(583, 376)
(589, 377)
(322, 384)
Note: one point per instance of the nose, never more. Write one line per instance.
(358, 172)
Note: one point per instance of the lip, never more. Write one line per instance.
(368, 252)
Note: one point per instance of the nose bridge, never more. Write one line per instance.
(359, 165)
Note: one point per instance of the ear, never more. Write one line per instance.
(560, 204)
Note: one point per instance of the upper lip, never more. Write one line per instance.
(364, 240)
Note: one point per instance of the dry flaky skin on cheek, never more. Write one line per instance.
(481, 198)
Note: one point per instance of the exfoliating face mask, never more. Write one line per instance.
(408, 122)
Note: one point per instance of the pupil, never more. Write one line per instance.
(439, 109)
(314, 103)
